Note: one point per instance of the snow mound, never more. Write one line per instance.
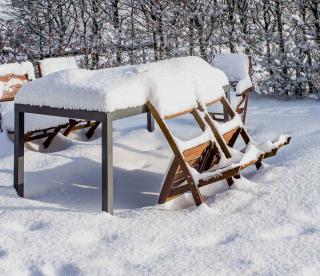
(171, 85)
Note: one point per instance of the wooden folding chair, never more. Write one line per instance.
(197, 165)
(242, 106)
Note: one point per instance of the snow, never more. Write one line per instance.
(236, 67)
(233, 123)
(266, 224)
(206, 136)
(270, 145)
(24, 68)
(172, 86)
(310, 96)
(55, 64)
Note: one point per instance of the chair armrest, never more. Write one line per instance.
(247, 91)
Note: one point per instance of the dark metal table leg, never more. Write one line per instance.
(107, 165)
(150, 122)
(19, 152)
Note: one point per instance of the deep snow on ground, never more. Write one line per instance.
(268, 223)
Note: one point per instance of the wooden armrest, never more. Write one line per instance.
(247, 91)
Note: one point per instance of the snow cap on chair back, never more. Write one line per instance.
(236, 67)
(55, 64)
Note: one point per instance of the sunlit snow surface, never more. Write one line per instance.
(268, 223)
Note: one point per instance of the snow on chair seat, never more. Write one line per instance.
(238, 68)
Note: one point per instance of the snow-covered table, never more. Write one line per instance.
(111, 94)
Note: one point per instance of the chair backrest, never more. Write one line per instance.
(12, 77)
(54, 64)
(236, 66)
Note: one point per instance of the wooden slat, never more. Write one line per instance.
(230, 134)
(171, 116)
(195, 152)
(8, 77)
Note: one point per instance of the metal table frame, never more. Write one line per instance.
(106, 119)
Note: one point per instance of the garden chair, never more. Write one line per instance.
(200, 161)
(213, 157)
(238, 68)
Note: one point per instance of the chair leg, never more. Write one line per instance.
(195, 191)
(92, 129)
(258, 165)
(197, 197)
(167, 184)
(48, 141)
(230, 181)
(72, 124)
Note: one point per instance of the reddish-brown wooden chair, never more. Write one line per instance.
(197, 163)
(214, 156)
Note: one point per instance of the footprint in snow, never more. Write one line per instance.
(38, 225)
(244, 264)
(2, 252)
(231, 238)
(310, 230)
(69, 269)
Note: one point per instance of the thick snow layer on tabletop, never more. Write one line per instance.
(55, 64)
(32, 121)
(18, 69)
(171, 85)
(101, 90)
(266, 224)
(236, 67)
